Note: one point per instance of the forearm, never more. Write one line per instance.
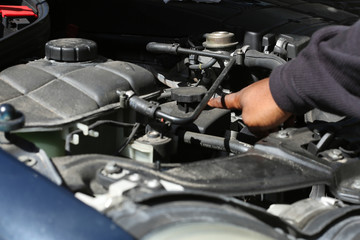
(324, 75)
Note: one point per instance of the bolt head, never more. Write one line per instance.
(134, 177)
(153, 134)
(283, 134)
(112, 168)
(336, 154)
(154, 183)
(356, 184)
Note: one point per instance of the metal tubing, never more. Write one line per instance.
(203, 53)
(175, 49)
(215, 142)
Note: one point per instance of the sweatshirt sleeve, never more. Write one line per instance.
(325, 75)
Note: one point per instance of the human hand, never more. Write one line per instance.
(259, 110)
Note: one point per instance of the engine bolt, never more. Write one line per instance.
(112, 168)
(154, 183)
(356, 184)
(283, 134)
(336, 154)
(134, 177)
(153, 134)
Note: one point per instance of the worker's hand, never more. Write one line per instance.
(259, 110)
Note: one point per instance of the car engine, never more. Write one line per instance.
(106, 132)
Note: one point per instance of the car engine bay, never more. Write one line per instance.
(105, 108)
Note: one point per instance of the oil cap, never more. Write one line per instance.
(187, 98)
(188, 94)
(71, 50)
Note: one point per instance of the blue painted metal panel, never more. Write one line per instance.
(32, 207)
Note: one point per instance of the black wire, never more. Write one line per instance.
(111, 123)
(131, 136)
(96, 124)
(191, 43)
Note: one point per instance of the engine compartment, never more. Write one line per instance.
(121, 122)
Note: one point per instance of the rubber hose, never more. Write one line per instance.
(203, 66)
(255, 58)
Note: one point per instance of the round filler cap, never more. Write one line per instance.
(71, 50)
(188, 94)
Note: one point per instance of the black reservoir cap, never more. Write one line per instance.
(188, 94)
(71, 50)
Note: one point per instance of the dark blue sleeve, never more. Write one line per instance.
(325, 75)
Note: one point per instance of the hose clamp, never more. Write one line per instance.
(239, 55)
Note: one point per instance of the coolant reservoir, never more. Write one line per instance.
(70, 85)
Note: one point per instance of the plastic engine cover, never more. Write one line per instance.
(51, 93)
